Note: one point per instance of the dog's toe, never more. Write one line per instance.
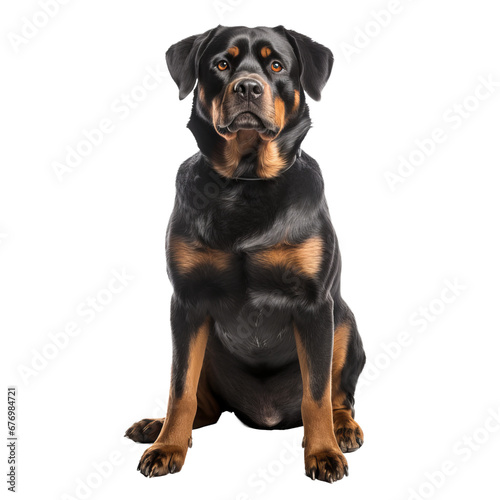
(145, 431)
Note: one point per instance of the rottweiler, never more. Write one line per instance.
(259, 327)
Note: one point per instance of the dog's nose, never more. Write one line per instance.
(248, 88)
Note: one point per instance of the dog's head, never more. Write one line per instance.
(249, 110)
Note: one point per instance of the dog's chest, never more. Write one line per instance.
(260, 276)
(260, 336)
(251, 296)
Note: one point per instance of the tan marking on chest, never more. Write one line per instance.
(244, 142)
(188, 255)
(305, 257)
(270, 161)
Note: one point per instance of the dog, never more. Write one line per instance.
(259, 327)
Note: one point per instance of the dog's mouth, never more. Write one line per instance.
(247, 121)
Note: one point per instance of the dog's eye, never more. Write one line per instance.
(222, 65)
(276, 66)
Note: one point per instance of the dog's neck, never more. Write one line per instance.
(247, 155)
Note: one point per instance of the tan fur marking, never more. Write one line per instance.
(216, 115)
(234, 51)
(279, 113)
(296, 101)
(348, 433)
(234, 149)
(265, 51)
(340, 345)
(201, 97)
(231, 156)
(270, 161)
(306, 257)
(188, 255)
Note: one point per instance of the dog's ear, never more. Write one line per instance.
(183, 59)
(315, 61)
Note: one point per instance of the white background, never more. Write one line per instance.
(61, 240)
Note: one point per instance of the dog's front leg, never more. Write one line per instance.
(313, 328)
(189, 337)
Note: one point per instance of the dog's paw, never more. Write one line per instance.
(161, 459)
(145, 431)
(327, 466)
(348, 433)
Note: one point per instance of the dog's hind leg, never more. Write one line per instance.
(347, 364)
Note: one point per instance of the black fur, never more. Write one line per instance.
(251, 357)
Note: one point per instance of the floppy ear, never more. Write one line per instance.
(315, 61)
(183, 58)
